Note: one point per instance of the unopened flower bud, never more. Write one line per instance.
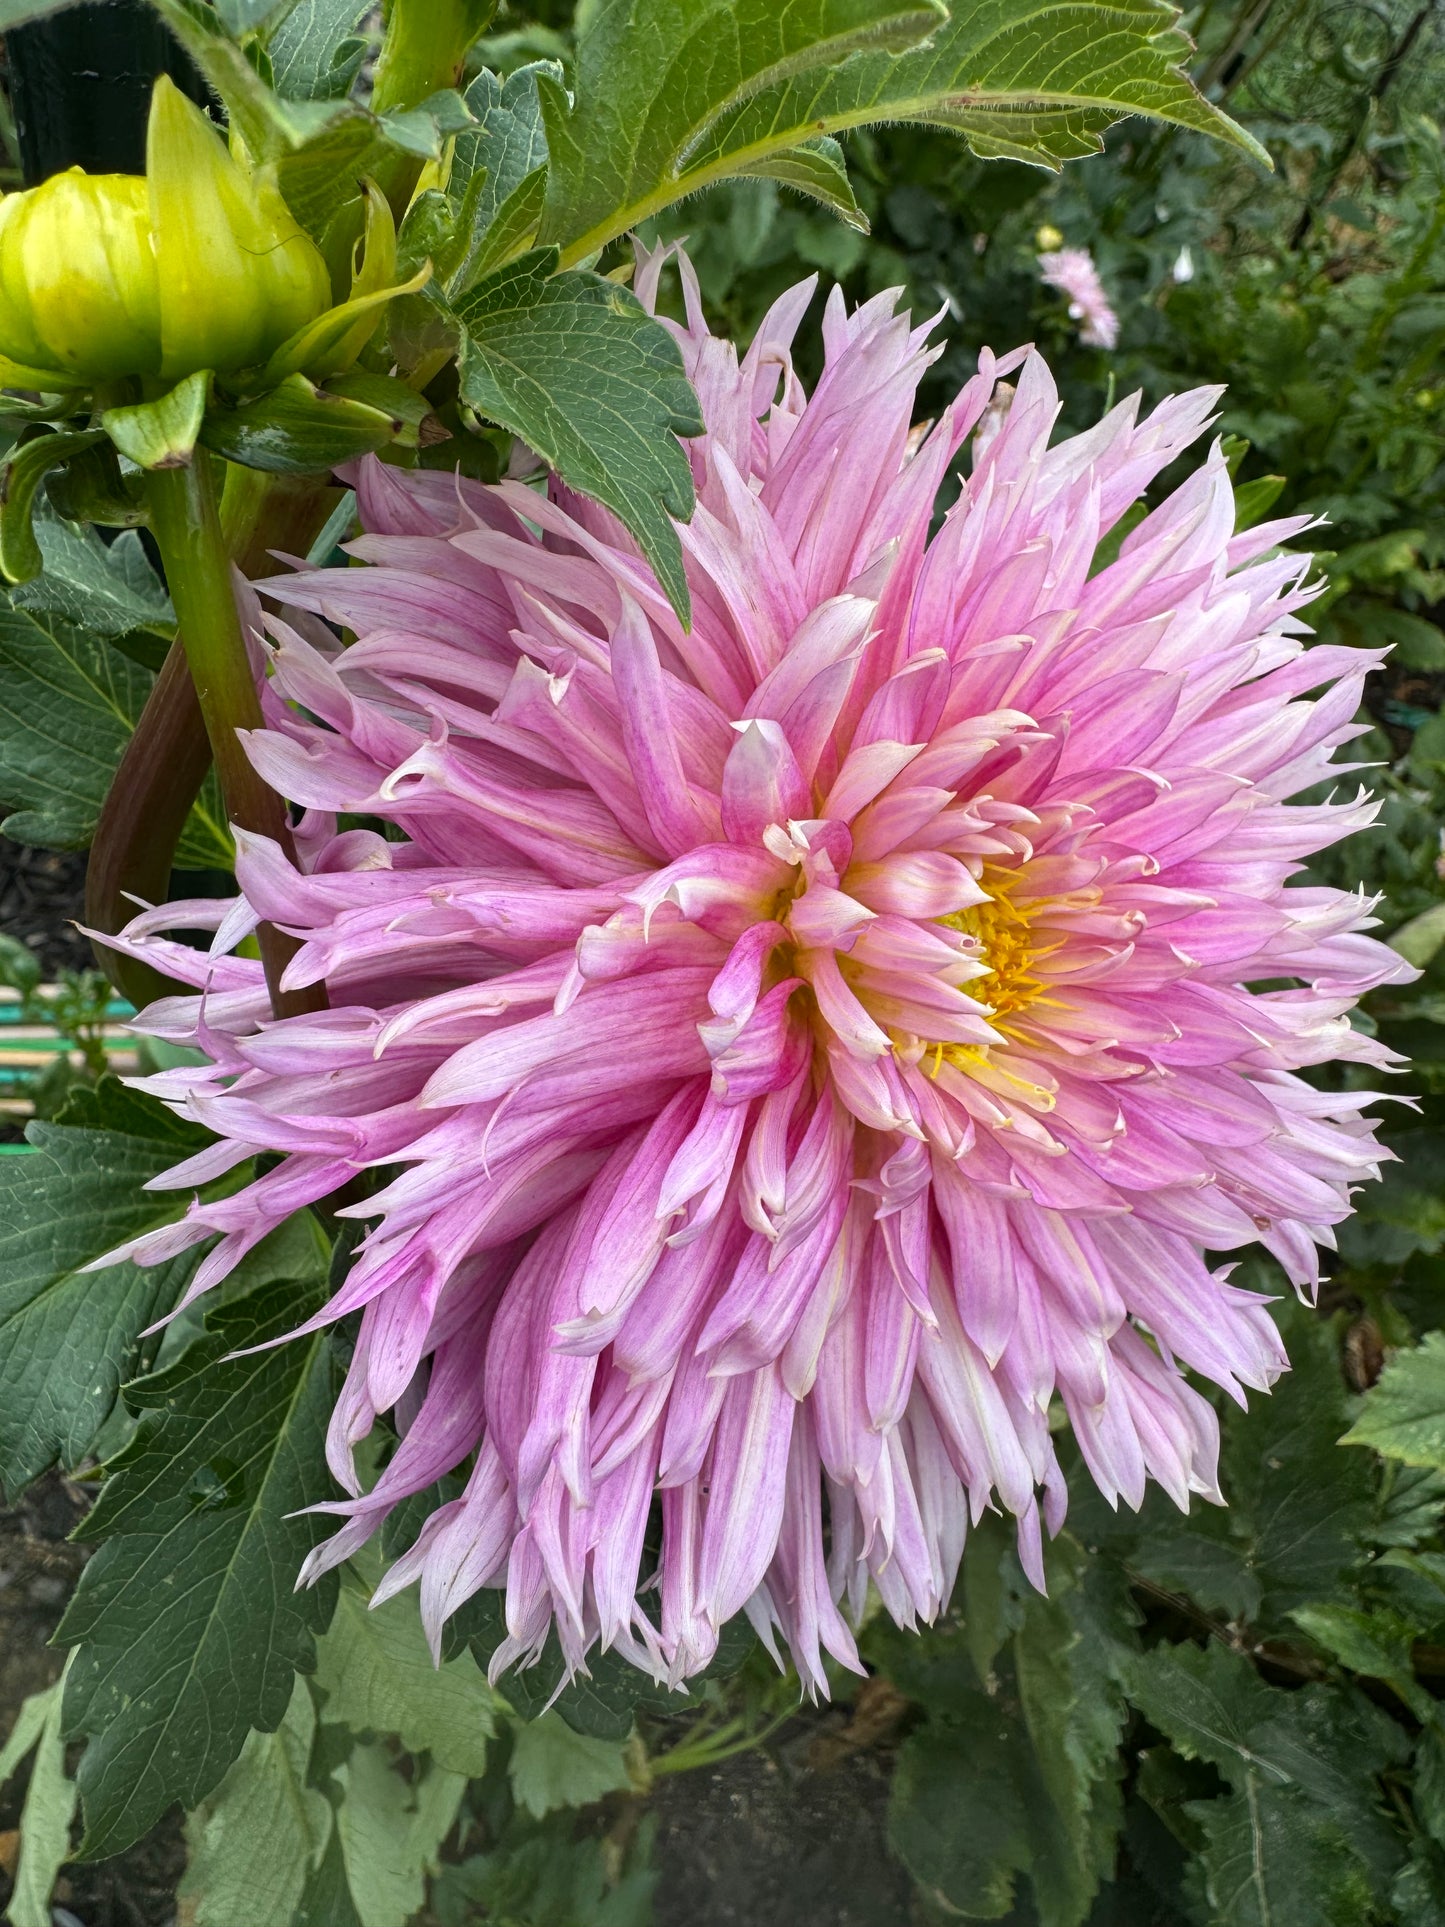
(197, 265)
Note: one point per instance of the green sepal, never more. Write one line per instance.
(20, 477)
(46, 381)
(302, 429)
(314, 345)
(162, 433)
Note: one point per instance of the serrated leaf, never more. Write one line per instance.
(1300, 1505)
(576, 366)
(68, 1337)
(315, 51)
(509, 141)
(269, 125)
(249, 1847)
(71, 704)
(187, 1620)
(1216, 1573)
(671, 100)
(1404, 1412)
(552, 1766)
(378, 1677)
(109, 589)
(652, 79)
(817, 170)
(390, 1832)
(1301, 1767)
(1269, 1859)
(46, 1813)
(1016, 1769)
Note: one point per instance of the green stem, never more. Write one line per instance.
(187, 529)
(717, 1745)
(165, 762)
(424, 50)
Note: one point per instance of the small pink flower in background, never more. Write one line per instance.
(800, 1049)
(1072, 272)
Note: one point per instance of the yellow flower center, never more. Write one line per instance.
(1006, 939)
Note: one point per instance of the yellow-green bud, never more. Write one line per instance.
(1048, 240)
(198, 265)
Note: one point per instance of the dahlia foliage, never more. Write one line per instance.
(799, 1048)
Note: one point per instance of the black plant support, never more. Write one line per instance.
(80, 86)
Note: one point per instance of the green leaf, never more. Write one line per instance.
(1418, 940)
(1404, 1412)
(245, 16)
(1303, 1812)
(670, 100)
(547, 1876)
(21, 474)
(1269, 1859)
(956, 1817)
(1377, 1644)
(509, 142)
(1254, 500)
(161, 433)
(817, 170)
(1299, 1505)
(250, 1845)
(326, 1901)
(575, 365)
(378, 1677)
(268, 125)
(553, 1766)
(390, 1832)
(187, 1618)
(14, 13)
(1419, 1891)
(71, 703)
(1214, 1573)
(109, 589)
(1016, 1768)
(317, 51)
(67, 1336)
(49, 1804)
(652, 79)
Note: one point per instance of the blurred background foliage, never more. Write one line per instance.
(1230, 1719)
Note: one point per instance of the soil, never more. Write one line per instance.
(38, 1570)
(791, 1837)
(40, 894)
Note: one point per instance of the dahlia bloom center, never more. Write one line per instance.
(794, 1056)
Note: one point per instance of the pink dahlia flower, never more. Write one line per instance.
(1072, 272)
(798, 1049)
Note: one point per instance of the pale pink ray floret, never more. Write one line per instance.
(1073, 273)
(801, 1051)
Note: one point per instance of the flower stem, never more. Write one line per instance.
(165, 762)
(187, 530)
